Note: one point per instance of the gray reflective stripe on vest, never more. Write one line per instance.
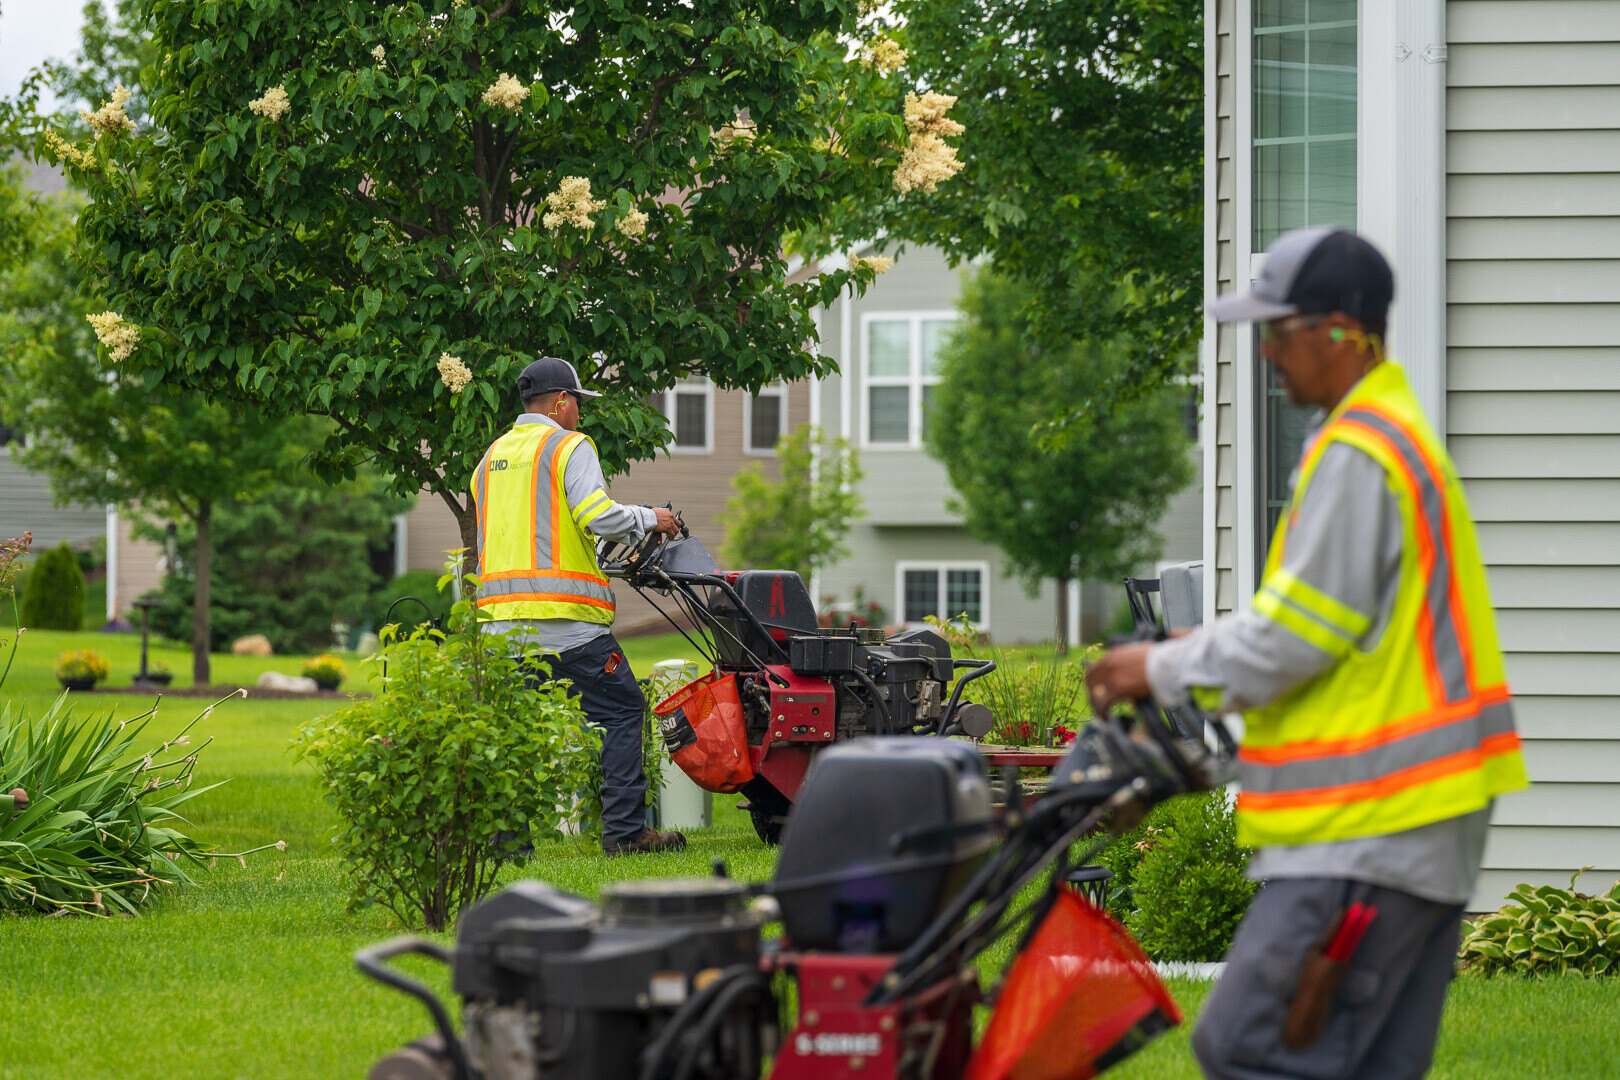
(546, 486)
(1336, 770)
(1447, 649)
(480, 495)
(565, 586)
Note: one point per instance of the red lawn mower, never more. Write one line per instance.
(897, 871)
(782, 688)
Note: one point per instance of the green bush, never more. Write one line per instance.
(1547, 931)
(55, 597)
(1179, 883)
(451, 753)
(101, 827)
(421, 584)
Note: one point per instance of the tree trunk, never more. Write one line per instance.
(1062, 616)
(467, 522)
(200, 623)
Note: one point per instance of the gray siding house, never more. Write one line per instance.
(1478, 143)
(910, 552)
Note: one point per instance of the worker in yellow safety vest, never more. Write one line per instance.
(541, 496)
(1378, 727)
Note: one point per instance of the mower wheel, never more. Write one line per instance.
(768, 823)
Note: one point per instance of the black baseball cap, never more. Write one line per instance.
(549, 373)
(1315, 271)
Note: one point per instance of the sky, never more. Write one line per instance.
(31, 32)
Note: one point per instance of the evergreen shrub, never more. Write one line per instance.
(1179, 881)
(55, 597)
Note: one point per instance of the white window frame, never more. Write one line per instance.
(915, 381)
(778, 390)
(698, 385)
(941, 567)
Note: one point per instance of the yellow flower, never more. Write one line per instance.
(453, 372)
(66, 151)
(112, 331)
(878, 264)
(884, 54)
(741, 129)
(111, 118)
(925, 115)
(571, 204)
(507, 93)
(633, 223)
(273, 105)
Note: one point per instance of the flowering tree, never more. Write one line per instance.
(101, 434)
(1083, 161)
(383, 213)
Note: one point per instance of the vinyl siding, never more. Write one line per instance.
(1533, 401)
(1221, 405)
(27, 505)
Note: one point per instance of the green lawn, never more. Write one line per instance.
(250, 974)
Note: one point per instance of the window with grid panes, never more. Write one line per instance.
(942, 591)
(1304, 148)
(767, 419)
(689, 408)
(902, 354)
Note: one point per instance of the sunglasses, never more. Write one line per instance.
(1277, 329)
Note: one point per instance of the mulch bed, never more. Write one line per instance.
(217, 692)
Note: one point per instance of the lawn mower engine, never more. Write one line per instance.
(799, 687)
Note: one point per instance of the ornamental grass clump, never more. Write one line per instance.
(1545, 930)
(91, 824)
(450, 768)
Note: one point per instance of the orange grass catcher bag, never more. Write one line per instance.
(1080, 998)
(703, 730)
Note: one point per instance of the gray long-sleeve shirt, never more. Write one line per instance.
(1345, 543)
(582, 481)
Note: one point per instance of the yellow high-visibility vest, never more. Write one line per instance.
(1418, 729)
(535, 560)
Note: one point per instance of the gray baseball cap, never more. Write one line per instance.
(550, 373)
(1315, 271)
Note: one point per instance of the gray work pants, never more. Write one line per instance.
(1386, 1014)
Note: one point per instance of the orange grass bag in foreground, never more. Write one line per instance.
(1080, 998)
(703, 730)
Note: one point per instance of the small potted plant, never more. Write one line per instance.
(157, 674)
(81, 669)
(326, 669)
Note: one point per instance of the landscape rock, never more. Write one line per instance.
(275, 680)
(252, 645)
(369, 643)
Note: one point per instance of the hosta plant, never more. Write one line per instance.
(1545, 930)
(92, 823)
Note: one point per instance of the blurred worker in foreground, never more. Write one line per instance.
(1378, 724)
(541, 497)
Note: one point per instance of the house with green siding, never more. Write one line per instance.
(1477, 142)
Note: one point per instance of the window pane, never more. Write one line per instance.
(962, 595)
(765, 422)
(934, 334)
(922, 595)
(1332, 102)
(1280, 85)
(927, 401)
(1279, 184)
(888, 414)
(1330, 198)
(889, 348)
(1278, 13)
(691, 420)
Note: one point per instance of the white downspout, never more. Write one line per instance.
(112, 563)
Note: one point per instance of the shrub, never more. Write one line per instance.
(324, 668)
(1547, 930)
(82, 664)
(1037, 701)
(1180, 884)
(55, 596)
(452, 753)
(421, 584)
(101, 826)
(861, 610)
